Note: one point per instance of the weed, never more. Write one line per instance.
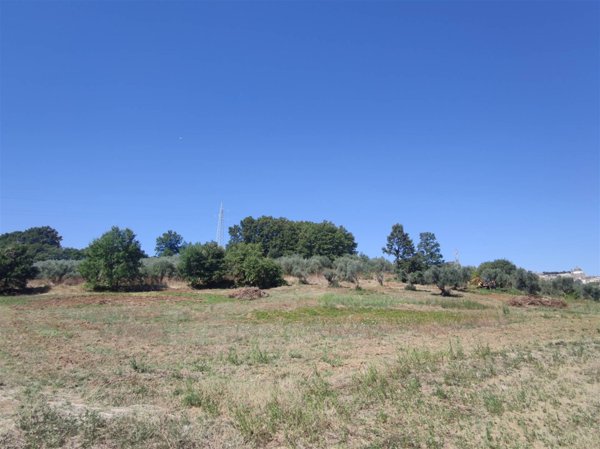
(139, 366)
(232, 357)
(493, 404)
(203, 397)
(259, 356)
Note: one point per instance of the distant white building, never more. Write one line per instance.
(576, 273)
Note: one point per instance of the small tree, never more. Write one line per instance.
(378, 267)
(113, 260)
(248, 267)
(168, 244)
(349, 268)
(445, 277)
(203, 265)
(295, 266)
(16, 268)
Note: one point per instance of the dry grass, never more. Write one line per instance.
(307, 366)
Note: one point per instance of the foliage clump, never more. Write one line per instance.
(56, 271)
(447, 277)
(247, 266)
(168, 244)
(16, 268)
(203, 265)
(278, 237)
(113, 261)
(41, 243)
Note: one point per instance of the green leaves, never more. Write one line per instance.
(203, 265)
(113, 260)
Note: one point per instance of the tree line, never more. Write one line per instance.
(260, 252)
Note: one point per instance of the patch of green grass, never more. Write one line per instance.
(493, 404)
(54, 332)
(357, 300)
(364, 315)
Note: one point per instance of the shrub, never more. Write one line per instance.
(203, 265)
(113, 260)
(16, 268)
(349, 268)
(58, 270)
(248, 267)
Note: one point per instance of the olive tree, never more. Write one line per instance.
(446, 277)
(349, 268)
(58, 270)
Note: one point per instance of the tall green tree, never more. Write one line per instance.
(113, 260)
(400, 246)
(203, 266)
(429, 250)
(168, 244)
(41, 243)
(280, 237)
(16, 268)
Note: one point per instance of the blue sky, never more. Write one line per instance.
(478, 121)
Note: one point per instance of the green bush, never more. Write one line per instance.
(113, 261)
(248, 267)
(203, 266)
(16, 268)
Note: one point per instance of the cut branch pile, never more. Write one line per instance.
(248, 293)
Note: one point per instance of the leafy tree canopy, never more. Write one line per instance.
(429, 250)
(113, 260)
(168, 244)
(16, 268)
(280, 237)
(248, 267)
(41, 243)
(203, 265)
(505, 266)
(400, 246)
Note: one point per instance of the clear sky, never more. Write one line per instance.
(478, 121)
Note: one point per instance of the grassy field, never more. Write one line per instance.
(308, 366)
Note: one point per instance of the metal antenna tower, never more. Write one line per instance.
(220, 226)
(456, 259)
